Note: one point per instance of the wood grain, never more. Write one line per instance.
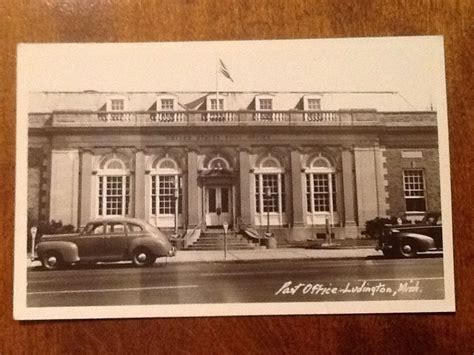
(133, 21)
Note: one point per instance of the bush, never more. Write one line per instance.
(373, 227)
(53, 227)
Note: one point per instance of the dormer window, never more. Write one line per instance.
(116, 109)
(215, 102)
(314, 104)
(167, 104)
(216, 109)
(214, 105)
(117, 105)
(265, 104)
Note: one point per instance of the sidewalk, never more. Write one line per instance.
(192, 256)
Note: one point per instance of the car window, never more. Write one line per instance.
(115, 227)
(134, 227)
(94, 228)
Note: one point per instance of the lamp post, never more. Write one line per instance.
(176, 196)
(225, 225)
(268, 196)
(33, 231)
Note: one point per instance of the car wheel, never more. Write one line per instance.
(143, 257)
(51, 260)
(407, 249)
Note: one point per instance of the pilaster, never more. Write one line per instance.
(348, 186)
(246, 211)
(297, 188)
(139, 195)
(193, 190)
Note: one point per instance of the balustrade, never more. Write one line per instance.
(321, 116)
(117, 117)
(219, 116)
(294, 117)
(168, 117)
(271, 116)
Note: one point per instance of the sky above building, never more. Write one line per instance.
(412, 66)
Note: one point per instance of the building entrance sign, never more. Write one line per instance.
(218, 206)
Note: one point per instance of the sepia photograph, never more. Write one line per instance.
(180, 179)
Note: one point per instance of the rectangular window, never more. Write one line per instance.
(114, 195)
(257, 193)
(167, 104)
(314, 104)
(317, 192)
(163, 194)
(283, 193)
(414, 188)
(275, 184)
(321, 192)
(265, 104)
(270, 184)
(334, 199)
(166, 187)
(117, 105)
(214, 104)
(101, 195)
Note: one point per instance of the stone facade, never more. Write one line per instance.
(262, 160)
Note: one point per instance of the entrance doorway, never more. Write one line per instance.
(218, 205)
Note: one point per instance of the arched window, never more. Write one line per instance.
(166, 187)
(113, 188)
(218, 163)
(320, 187)
(269, 186)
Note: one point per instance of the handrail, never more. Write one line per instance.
(241, 118)
(191, 236)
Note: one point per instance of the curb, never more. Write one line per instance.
(244, 261)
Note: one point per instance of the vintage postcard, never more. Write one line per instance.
(232, 178)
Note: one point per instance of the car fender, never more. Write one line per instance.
(155, 245)
(68, 250)
(422, 241)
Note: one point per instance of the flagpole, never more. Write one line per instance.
(217, 84)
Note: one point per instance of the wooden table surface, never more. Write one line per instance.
(180, 20)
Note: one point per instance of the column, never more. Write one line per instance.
(382, 195)
(86, 188)
(193, 191)
(245, 194)
(64, 199)
(348, 185)
(297, 189)
(139, 195)
(366, 184)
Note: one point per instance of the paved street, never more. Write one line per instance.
(372, 278)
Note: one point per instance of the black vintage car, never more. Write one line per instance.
(406, 240)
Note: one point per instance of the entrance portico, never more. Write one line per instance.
(218, 205)
(218, 194)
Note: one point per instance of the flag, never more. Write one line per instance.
(224, 71)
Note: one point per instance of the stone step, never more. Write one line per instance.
(234, 247)
(214, 240)
(222, 242)
(218, 246)
(220, 238)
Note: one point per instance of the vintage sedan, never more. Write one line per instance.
(107, 239)
(406, 240)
